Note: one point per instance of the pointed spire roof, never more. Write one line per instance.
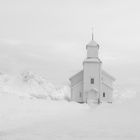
(92, 43)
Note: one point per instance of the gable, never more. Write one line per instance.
(76, 78)
(108, 76)
(107, 80)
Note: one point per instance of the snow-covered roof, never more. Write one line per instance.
(108, 75)
(92, 43)
(78, 73)
(76, 78)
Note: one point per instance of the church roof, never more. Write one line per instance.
(76, 78)
(93, 43)
(108, 75)
(77, 74)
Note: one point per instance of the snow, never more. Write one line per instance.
(27, 117)
(32, 119)
(28, 84)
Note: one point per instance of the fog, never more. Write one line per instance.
(49, 37)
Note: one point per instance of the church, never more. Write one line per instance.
(92, 83)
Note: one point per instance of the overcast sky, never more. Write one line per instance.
(49, 37)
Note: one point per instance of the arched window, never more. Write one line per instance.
(103, 94)
(80, 94)
(92, 80)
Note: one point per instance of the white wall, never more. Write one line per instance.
(108, 93)
(76, 78)
(92, 51)
(91, 70)
(75, 92)
(107, 80)
(107, 87)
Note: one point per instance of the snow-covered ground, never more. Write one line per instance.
(24, 116)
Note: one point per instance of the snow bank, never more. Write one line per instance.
(31, 85)
(27, 119)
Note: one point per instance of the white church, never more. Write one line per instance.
(92, 83)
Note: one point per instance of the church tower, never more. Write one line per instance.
(92, 83)
(92, 73)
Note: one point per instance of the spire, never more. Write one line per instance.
(92, 43)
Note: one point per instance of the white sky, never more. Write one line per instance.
(49, 37)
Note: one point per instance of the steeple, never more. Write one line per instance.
(92, 72)
(92, 43)
(92, 48)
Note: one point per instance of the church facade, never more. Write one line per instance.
(92, 83)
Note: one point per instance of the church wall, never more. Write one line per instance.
(77, 92)
(91, 70)
(106, 79)
(108, 93)
(92, 52)
(75, 79)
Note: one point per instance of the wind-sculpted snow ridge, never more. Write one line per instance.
(32, 86)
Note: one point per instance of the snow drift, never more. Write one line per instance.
(31, 85)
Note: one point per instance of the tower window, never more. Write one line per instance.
(92, 80)
(103, 94)
(80, 94)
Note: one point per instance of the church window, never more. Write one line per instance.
(92, 80)
(103, 94)
(80, 94)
